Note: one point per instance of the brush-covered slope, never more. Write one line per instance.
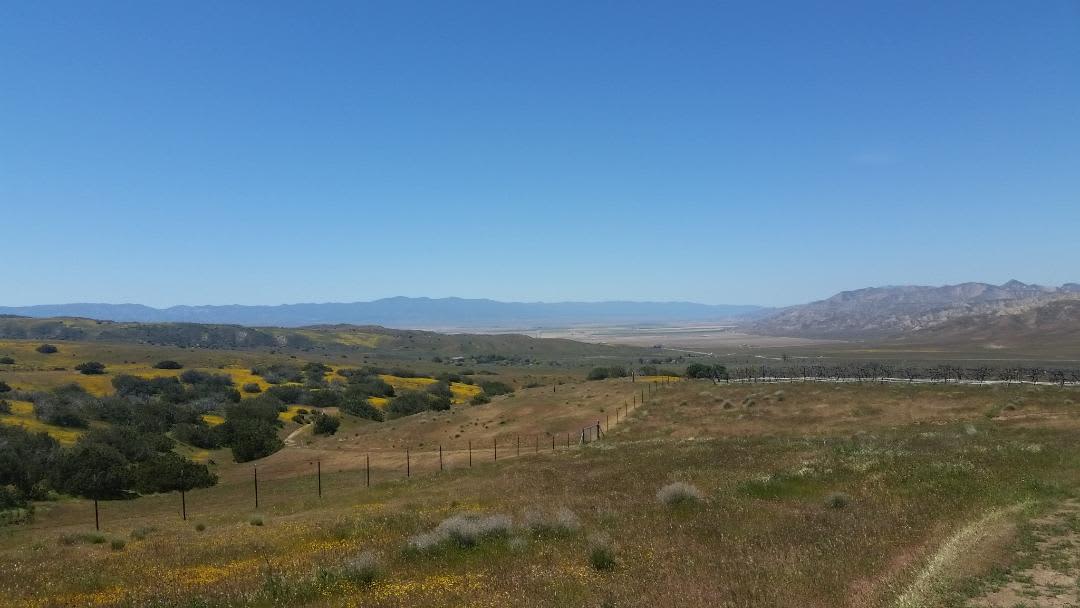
(878, 312)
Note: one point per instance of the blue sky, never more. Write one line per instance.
(763, 152)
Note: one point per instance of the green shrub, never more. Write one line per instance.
(91, 368)
(117, 544)
(256, 520)
(168, 364)
(480, 399)
(837, 500)
(362, 409)
(199, 527)
(251, 387)
(7, 361)
(47, 349)
(494, 388)
(601, 554)
(325, 425)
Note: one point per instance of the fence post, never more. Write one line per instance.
(470, 453)
(408, 464)
(183, 499)
(568, 440)
(536, 442)
(553, 442)
(97, 520)
(367, 469)
(495, 442)
(440, 457)
(318, 472)
(256, 471)
(519, 445)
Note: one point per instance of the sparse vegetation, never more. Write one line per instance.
(463, 531)
(678, 493)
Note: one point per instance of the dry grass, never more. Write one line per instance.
(919, 466)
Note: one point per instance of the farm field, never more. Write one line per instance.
(810, 495)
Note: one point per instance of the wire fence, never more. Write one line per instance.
(268, 488)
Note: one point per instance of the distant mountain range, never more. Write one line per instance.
(889, 312)
(408, 313)
(1047, 326)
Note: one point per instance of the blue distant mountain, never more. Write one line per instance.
(402, 312)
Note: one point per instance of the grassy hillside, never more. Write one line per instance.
(327, 340)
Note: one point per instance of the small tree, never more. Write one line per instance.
(47, 349)
(4, 387)
(168, 364)
(91, 368)
(325, 425)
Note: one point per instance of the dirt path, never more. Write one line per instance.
(291, 439)
(1045, 573)
(956, 557)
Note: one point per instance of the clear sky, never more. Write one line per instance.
(762, 152)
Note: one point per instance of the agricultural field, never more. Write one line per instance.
(695, 494)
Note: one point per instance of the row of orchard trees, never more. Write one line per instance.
(872, 371)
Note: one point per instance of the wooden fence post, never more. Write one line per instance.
(256, 471)
(183, 499)
(408, 464)
(367, 469)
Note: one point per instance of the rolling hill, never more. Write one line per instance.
(327, 338)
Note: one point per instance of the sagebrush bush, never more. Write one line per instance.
(465, 530)
(141, 533)
(199, 527)
(678, 493)
(837, 500)
(94, 538)
(117, 544)
(562, 522)
(362, 569)
(601, 553)
(256, 520)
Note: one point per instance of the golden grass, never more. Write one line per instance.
(213, 419)
(292, 410)
(378, 401)
(407, 384)
(737, 548)
(464, 392)
(22, 414)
